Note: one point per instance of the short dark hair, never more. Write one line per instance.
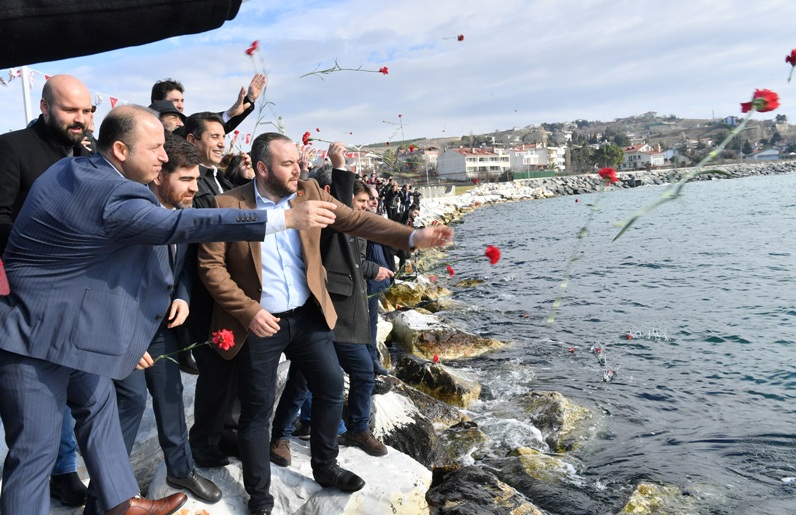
(261, 147)
(181, 154)
(120, 125)
(196, 124)
(162, 87)
(361, 186)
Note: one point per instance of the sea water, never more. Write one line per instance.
(704, 396)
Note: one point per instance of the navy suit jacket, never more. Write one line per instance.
(88, 264)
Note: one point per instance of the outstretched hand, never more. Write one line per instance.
(437, 236)
(310, 214)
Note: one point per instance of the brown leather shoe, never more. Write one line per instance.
(364, 441)
(165, 506)
(280, 452)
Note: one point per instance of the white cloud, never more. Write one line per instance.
(521, 62)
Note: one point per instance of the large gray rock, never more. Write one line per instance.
(562, 422)
(437, 380)
(474, 491)
(398, 422)
(428, 336)
(395, 483)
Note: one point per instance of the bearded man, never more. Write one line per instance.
(25, 154)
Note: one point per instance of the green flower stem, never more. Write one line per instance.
(574, 257)
(170, 354)
(675, 190)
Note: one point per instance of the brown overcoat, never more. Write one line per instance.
(232, 272)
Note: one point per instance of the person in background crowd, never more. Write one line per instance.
(171, 117)
(172, 90)
(238, 168)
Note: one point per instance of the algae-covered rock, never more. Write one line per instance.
(428, 336)
(469, 283)
(444, 304)
(404, 293)
(437, 380)
(652, 499)
(474, 491)
(465, 442)
(542, 466)
(562, 422)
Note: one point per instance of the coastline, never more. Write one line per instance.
(449, 209)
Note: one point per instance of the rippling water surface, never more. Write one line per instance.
(705, 394)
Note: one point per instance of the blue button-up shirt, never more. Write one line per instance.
(284, 275)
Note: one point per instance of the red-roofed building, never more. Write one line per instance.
(641, 156)
(465, 164)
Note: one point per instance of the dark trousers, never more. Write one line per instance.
(31, 405)
(307, 341)
(355, 359)
(216, 394)
(165, 385)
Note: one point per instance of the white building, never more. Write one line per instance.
(638, 157)
(526, 158)
(466, 164)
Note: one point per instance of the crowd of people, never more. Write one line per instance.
(133, 245)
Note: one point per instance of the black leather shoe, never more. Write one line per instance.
(187, 363)
(202, 488)
(337, 476)
(209, 457)
(68, 488)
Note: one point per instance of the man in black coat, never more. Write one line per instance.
(25, 154)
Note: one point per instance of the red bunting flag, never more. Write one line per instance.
(113, 102)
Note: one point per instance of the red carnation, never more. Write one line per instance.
(763, 100)
(435, 359)
(306, 138)
(224, 339)
(791, 59)
(388, 143)
(608, 175)
(384, 70)
(493, 253)
(411, 148)
(252, 48)
(450, 270)
(460, 37)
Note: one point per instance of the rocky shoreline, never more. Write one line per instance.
(437, 461)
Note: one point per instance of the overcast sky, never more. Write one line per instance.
(521, 62)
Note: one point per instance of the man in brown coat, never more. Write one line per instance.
(273, 296)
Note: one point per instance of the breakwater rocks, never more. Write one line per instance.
(447, 209)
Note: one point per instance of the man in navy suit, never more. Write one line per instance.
(88, 268)
(174, 188)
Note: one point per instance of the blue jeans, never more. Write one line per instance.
(307, 341)
(356, 361)
(66, 461)
(294, 395)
